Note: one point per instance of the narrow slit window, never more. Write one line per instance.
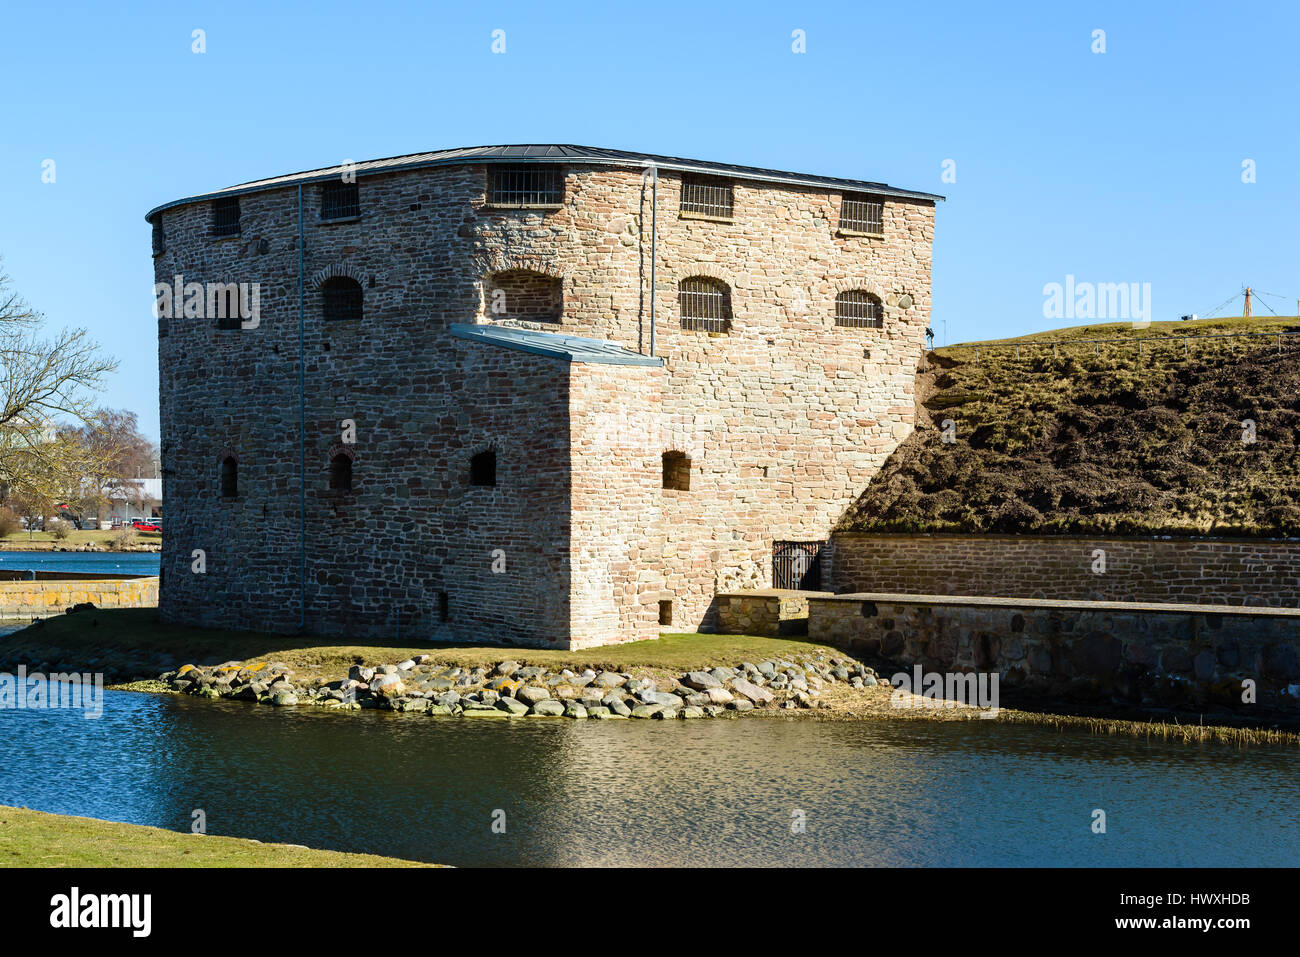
(483, 469)
(229, 477)
(341, 472)
(677, 471)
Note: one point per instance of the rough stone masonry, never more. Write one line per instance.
(360, 461)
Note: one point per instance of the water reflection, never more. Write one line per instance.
(654, 793)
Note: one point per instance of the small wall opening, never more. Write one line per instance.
(523, 295)
(444, 606)
(341, 472)
(677, 471)
(229, 477)
(483, 468)
(665, 611)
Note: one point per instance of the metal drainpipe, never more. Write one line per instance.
(302, 436)
(654, 236)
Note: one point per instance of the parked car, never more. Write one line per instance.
(144, 525)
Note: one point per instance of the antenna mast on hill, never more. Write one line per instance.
(1246, 311)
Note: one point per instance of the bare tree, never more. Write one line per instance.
(43, 383)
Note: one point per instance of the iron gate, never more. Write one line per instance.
(797, 565)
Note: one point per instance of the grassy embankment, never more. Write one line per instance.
(35, 839)
(137, 634)
(1102, 438)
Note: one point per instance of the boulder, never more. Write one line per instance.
(385, 685)
(532, 694)
(550, 708)
(700, 681)
(751, 691)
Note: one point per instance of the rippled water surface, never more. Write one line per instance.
(124, 563)
(711, 792)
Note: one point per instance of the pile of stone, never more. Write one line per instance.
(511, 689)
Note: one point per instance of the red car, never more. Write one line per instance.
(146, 527)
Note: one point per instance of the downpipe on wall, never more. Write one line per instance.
(302, 435)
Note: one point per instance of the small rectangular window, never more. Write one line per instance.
(159, 237)
(225, 216)
(862, 214)
(666, 611)
(707, 196)
(340, 201)
(523, 186)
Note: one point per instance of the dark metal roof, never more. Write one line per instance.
(553, 345)
(540, 153)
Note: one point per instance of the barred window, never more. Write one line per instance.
(225, 216)
(340, 201)
(705, 304)
(541, 185)
(341, 298)
(707, 195)
(859, 309)
(159, 237)
(862, 214)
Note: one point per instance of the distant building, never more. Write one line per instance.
(134, 498)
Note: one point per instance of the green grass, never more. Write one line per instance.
(35, 839)
(1102, 438)
(78, 536)
(136, 633)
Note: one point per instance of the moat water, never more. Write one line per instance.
(123, 563)
(629, 793)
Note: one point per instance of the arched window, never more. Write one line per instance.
(526, 295)
(677, 471)
(229, 477)
(483, 468)
(705, 304)
(341, 472)
(341, 298)
(859, 309)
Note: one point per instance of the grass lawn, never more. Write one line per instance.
(35, 839)
(77, 537)
(137, 633)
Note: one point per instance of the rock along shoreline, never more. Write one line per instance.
(511, 689)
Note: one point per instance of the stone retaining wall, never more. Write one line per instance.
(765, 611)
(37, 599)
(1213, 571)
(1112, 652)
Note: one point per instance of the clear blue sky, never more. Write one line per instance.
(1115, 167)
